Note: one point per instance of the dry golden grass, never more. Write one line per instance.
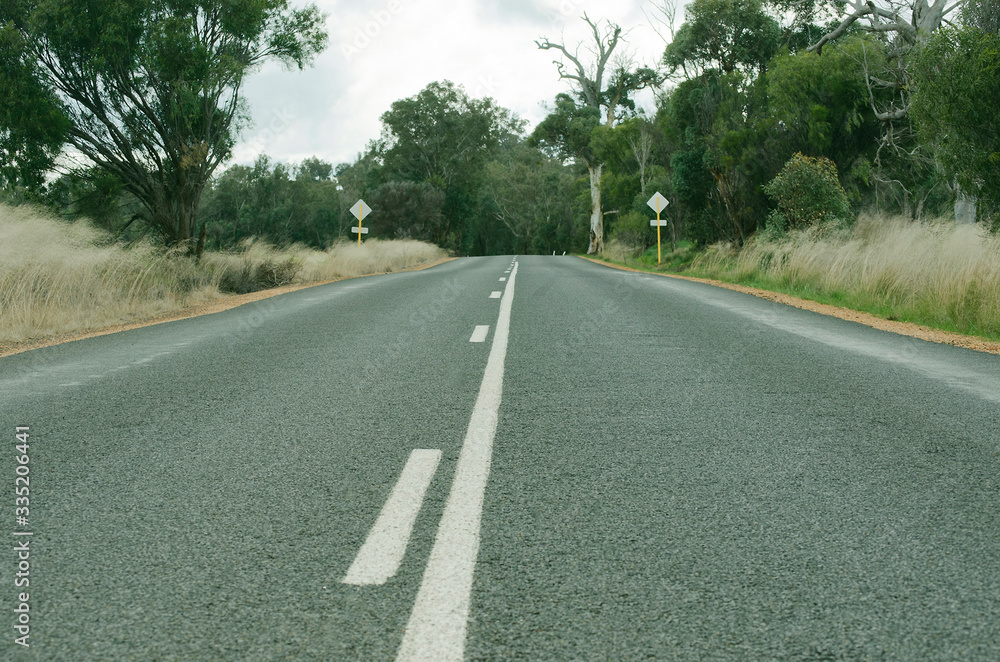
(58, 278)
(939, 273)
(616, 251)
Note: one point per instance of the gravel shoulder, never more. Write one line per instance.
(902, 328)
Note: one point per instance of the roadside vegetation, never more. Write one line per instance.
(58, 277)
(935, 273)
(777, 126)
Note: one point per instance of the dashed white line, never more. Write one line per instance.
(437, 626)
(503, 279)
(496, 295)
(380, 556)
(479, 335)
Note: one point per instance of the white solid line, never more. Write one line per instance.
(436, 630)
(496, 295)
(380, 556)
(479, 335)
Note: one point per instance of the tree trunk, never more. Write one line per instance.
(965, 206)
(201, 241)
(596, 215)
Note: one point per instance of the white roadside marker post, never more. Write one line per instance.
(659, 203)
(360, 210)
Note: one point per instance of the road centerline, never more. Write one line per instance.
(383, 550)
(437, 626)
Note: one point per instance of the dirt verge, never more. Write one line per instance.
(902, 328)
(224, 302)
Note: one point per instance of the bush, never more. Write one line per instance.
(807, 192)
(632, 231)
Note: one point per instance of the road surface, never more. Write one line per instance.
(532, 458)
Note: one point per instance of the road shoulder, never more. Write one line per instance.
(225, 302)
(902, 328)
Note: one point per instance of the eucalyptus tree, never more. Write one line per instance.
(605, 86)
(902, 166)
(956, 83)
(150, 90)
(444, 137)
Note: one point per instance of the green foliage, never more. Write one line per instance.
(567, 131)
(407, 210)
(444, 138)
(957, 85)
(808, 192)
(725, 35)
(822, 101)
(148, 90)
(32, 124)
(982, 14)
(632, 230)
(821, 105)
(528, 204)
(95, 195)
(264, 201)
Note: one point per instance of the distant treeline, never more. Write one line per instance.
(768, 114)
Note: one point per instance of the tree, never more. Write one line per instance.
(902, 166)
(957, 83)
(606, 87)
(32, 125)
(982, 14)
(531, 198)
(150, 89)
(407, 210)
(808, 192)
(822, 107)
(265, 201)
(313, 170)
(725, 35)
(443, 137)
(717, 120)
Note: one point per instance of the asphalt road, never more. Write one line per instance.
(670, 472)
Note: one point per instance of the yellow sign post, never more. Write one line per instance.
(360, 210)
(659, 203)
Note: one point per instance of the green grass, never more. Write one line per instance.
(935, 274)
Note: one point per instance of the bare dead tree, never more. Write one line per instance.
(588, 83)
(642, 149)
(926, 16)
(663, 16)
(606, 86)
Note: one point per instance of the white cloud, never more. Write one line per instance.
(391, 49)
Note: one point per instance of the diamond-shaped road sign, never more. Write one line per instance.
(658, 203)
(361, 210)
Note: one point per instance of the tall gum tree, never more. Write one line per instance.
(606, 86)
(150, 89)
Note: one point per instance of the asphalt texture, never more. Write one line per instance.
(679, 472)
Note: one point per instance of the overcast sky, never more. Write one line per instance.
(386, 50)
